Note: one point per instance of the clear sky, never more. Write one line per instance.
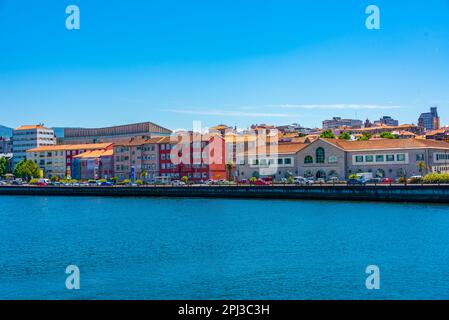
(236, 62)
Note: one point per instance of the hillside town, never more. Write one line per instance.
(149, 153)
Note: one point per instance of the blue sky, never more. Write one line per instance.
(233, 62)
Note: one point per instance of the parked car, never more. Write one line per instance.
(302, 181)
(177, 183)
(105, 184)
(320, 180)
(244, 181)
(387, 180)
(41, 184)
(222, 181)
(3, 183)
(260, 182)
(359, 181)
(210, 181)
(374, 180)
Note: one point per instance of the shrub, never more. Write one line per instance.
(253, 180)
(290, 180)
(353, 176)
(436, 178)
(34, 181)
(139, 182)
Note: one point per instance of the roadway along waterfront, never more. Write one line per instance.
(208, 248)
(393, 193)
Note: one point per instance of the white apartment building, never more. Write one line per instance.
(29, 137)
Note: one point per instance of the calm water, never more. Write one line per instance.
(221, 249)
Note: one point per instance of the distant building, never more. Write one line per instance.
(29, 137)
(386, 121)
(441, 134)
(5, 145)
(430, 120)
(112, 134)
(379, 129)
(56, 160)
(338, 122)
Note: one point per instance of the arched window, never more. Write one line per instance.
(308, 159)
(320, 155)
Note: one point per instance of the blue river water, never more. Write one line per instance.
(166, 248)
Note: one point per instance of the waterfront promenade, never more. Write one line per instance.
(394, 193)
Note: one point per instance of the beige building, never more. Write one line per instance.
(139, 155)
(56, 160)
(327, 158)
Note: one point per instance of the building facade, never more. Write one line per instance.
(29, 137)
(430, 120)
(386, 121)
(137, 158)
(56, 160)
(112, 134)
(95, 164)
(199, 157)
(5, 145)
(329, 158)
(338, 122)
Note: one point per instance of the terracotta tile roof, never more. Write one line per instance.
(95, 154)
(31, 127)
(66, 147)
(386, 144)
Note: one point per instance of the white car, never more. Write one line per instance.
(303, 181)
(210, 181)
(177, 183)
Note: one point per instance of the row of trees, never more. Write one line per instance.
(25, 169)
(328, 134)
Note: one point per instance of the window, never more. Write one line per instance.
(308, 159)
(359, 159)
(320, 155)
(162, 146)
(380, 158)
(400, 157)
(288, 161)
(369, 158)
(333, 159)
(280, 161)
(390, 157)
(420, 157)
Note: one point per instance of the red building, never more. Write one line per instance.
(196, 156)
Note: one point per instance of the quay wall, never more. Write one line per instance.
(396, 193)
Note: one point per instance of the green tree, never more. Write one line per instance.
(344, 136)
(26, 169)
(327, 134)
(365, 136)
(3, 166)
(422, 167)
(387, 135)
